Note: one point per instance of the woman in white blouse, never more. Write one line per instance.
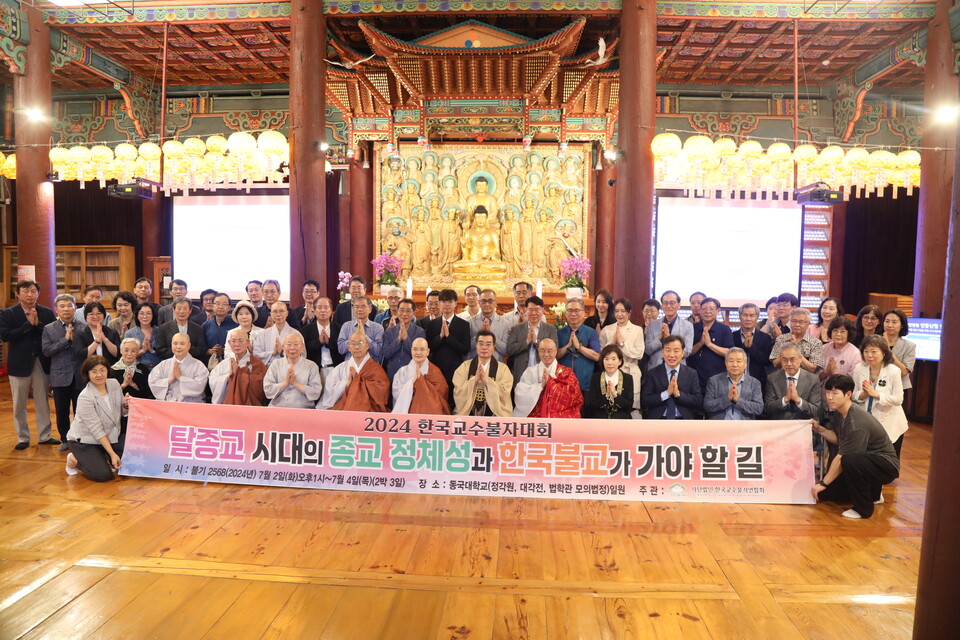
(629, 337)
(94, 438)
(244, 314)
(904, 351)
(878, 387)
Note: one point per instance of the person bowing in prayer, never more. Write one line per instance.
(357, 384)
(268, 346)
(548, 389)
(238, 379)
(293, 381)
(181, 377)
(481, 386)
(419, 386)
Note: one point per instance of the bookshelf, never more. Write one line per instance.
(110, 267)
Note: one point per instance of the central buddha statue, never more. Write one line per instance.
(481, 249)
(481, 199)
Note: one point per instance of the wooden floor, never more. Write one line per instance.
(161, 559)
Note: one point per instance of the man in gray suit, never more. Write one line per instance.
(523, 342)
(57, 344)
(669, 325)
(792, 393)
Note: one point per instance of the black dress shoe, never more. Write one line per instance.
(50, 441)
(21, 446)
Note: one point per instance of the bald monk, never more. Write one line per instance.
(238, 379)
(481, 386)
(181, 377)
(358, 383)
(293, 381)
(419, 385)
(548, 389)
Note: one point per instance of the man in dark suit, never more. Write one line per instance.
(344, 312)
(255, 296)
(58, 337)
(711, 339)
(449, 338)
(300, 316)
(320, 336)
(672, 390)
(432, 306)
(22, 326)
(757, 344)
(181, 323)
(178, 289)
(794, 393)
(143, 289)
(523, 341)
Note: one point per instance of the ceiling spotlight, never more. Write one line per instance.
(947, 113)
(324, 146)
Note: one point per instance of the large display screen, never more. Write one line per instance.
(224, 241)
(925, 332)
(735, 251)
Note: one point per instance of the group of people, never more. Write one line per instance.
(477, 361)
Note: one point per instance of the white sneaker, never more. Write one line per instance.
(879, 500)
(71, 471)
(850, 513)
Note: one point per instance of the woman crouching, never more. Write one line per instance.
(94, 436)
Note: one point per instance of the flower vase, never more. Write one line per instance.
(574, 292)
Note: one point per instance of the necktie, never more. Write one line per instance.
(672, 413)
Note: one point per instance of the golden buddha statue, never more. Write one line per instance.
(481, 251)
(481, 199)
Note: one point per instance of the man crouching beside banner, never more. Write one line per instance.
(864, 458)
(548, 389)
(358, 383)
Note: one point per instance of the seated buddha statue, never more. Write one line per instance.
(481, 249)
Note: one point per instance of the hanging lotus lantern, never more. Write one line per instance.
(59, 159)
(150, 153)
(100, 157)
(10, 167)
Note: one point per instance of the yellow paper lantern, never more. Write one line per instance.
(100, 155)
(126, 152)
(241, 143)
(762, 162)
(698, 147)
(172, 149)
(216, 144)
(779, 151)
(858, 158)
(832, 155)
(882, 159)
(805, 153)
(150, 151)
(725, 147)
(665, 145)
(750, 149)
(59, 156)
(10, 167)
(79, 155)
(194, 147)
(271, 143)
(908, 159)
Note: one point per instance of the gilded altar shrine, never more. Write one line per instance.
(485, 214)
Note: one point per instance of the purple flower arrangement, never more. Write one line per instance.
(575, 270)
(343, 283)
(386, 268)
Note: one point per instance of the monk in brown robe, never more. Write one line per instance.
(548, 389)
(419, 385)
(238, 379)
(358, 383)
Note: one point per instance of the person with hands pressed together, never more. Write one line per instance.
(293, 381)
(238, 379)
(672, 391)
(364, 325)
(904, 351)
(131, 375)
(669, 324)
(489, 320)
(345, 311)
(734, 395)
(580, 345)
(711, 340)
(878, 388)
(95, 439)
(94, 338)
(216, 328)
(181, 377)
(629, 337)
(548, 389)
(448, 337)
(181, 323)
(521, 291)
(792, 393)
(398, 339)
(320, 335)
(523, 341)
(419, 386)
(482, 385)
(145, 333)
(757, 344)
(390, 316)
(301, 316)
(810, 348)
(864, 459)
(357, 384)
(840, 355)
(610, 395)
(57, 345)
(268, 346)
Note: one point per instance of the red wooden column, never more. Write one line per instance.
(36, 238)
(935, 614)
(606, 227)
(361, 217)
(308, 180)
(638, 90)
(936, 181)
(152, 230)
